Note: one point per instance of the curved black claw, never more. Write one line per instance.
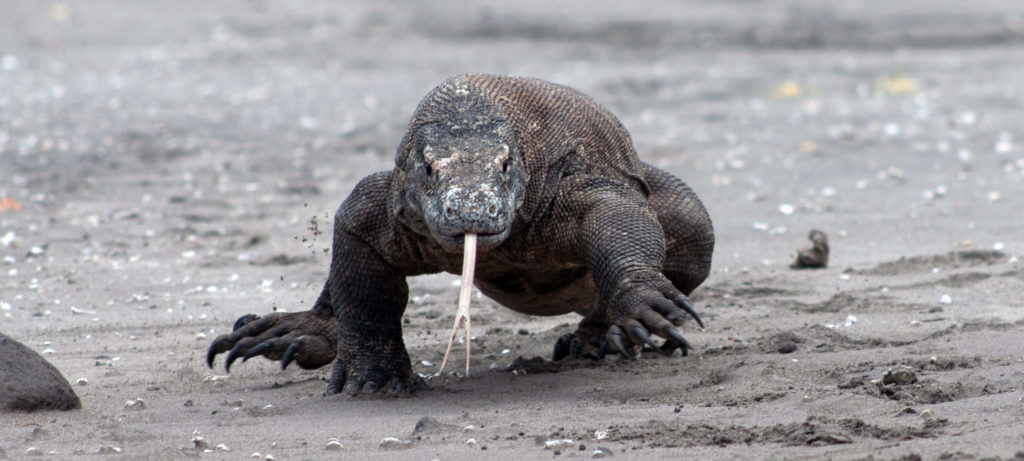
(289, 354)
(244, 320)
(616, 339)
(678, 341)
(232, 356)
(211, 353)
(575, 347)
(641, 333)
(258, 350)
(562, 347)
(602, 349)
(685, 303)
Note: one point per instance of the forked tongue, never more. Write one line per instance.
(468, 267)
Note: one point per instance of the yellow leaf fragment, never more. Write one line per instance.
(786, 90)
(897, 84)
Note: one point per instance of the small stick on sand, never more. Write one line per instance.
(468, 267)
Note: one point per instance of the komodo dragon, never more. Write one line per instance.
(567, 219)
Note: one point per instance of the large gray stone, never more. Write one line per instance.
(29, 383)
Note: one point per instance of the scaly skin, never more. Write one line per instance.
(568, 219)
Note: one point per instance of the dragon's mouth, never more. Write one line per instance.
(485, 241)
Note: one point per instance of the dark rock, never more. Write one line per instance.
(29, 383)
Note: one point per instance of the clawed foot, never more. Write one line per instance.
(372, 359)
(644, 307)
(307, 338)
(393, 378)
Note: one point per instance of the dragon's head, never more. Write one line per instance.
(464, 174)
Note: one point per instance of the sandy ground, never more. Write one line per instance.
(177, 165)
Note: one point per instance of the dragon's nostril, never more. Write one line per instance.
(491, 210)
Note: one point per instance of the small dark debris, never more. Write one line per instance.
(533, 365)
(814, 256)
(280, 260)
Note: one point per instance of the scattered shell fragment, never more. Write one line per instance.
(814, 256)
(393, 442)
(82, 382)
(198, 441)
(334, 444)
(471, 443)
(33, 451)
(557, 444)
(216, 380)
(945, 299)
(601, 452)
(926, 413)
(598, 435)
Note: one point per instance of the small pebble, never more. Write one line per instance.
(108, 450)
(900, 376)
(135, 404)
(256, 455)
(222, 447)
(926, 413)
(82, 382)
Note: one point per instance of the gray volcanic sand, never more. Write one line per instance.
(177, 165)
